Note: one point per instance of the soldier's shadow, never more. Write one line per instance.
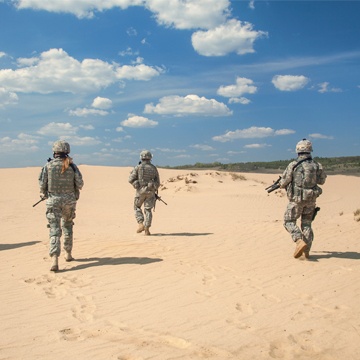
(318, 255)
(97, 261)
(182, 234)
(17, 245)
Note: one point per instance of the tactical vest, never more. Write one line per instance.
(304, 183)
(60, 183)
(305, 174)
(146, 174)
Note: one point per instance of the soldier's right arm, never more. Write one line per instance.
(286, 177)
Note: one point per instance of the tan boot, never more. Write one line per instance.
(68, 256)
(55, 263)
(147, 231)
(300, 247)
(141, 228)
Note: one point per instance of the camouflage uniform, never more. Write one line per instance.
(145, 179)
(301, 179)
(62, 191)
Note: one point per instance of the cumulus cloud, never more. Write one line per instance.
(320, 136)
(82, 141)
(256, 146)
(7, 98)
(135, 121)
(324, 88)
(79, 8)
(55, 71)
(235, 92)
(189, 14)
(289, 82)
(101, 103)
(232, 36)
(84, 112)
(242, 100)
(251, 133)
(188, 105)
(57, 129)
(23, 142)
(202, 147)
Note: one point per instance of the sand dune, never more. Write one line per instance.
(216, 280)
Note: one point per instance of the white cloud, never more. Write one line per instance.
(81, 141)
(233, 36)
(23, 142)
(87, 127)
(84, 112)
(180, 14)
(2, 54)
(256, 146)
(189, 14)
(324, 88)
(289, 82)
(7, 98)
(135, 121)
(101, 103)
(251, 133)
(242, 100)
(80, 8)
(242, 86)
(202, 147)
(320, 136)
(57, 129)
(284, 132)
(54, 70)
(190, 104)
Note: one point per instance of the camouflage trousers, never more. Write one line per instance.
(60, 213)
(305, 211)
(148, 200)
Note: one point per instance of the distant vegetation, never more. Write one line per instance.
(349, 165)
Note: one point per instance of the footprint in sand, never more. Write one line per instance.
(244, 308)
(85, 310)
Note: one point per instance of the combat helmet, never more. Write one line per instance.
(145, 155)
(61, 146)
(304, 146)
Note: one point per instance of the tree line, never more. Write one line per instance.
(332, 165)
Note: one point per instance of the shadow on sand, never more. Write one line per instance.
(182, 234)
(95, 261)
(317, 255)
(18, 245)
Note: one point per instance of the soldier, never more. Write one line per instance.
(145, 179)
(60, 182)
(301, 179)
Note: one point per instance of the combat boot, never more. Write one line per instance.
(55, 263)
(68, 256)
(300, 247)
(141, 228)
(147, 231)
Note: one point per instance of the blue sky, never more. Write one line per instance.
(190, 80)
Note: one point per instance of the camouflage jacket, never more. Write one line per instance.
(301, 179)
(145, 175)
(51, 180)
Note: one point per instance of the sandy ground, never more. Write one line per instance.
(215, 280)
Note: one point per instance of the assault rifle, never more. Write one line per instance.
(157, 197)
(274, 186)
(42, 199)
